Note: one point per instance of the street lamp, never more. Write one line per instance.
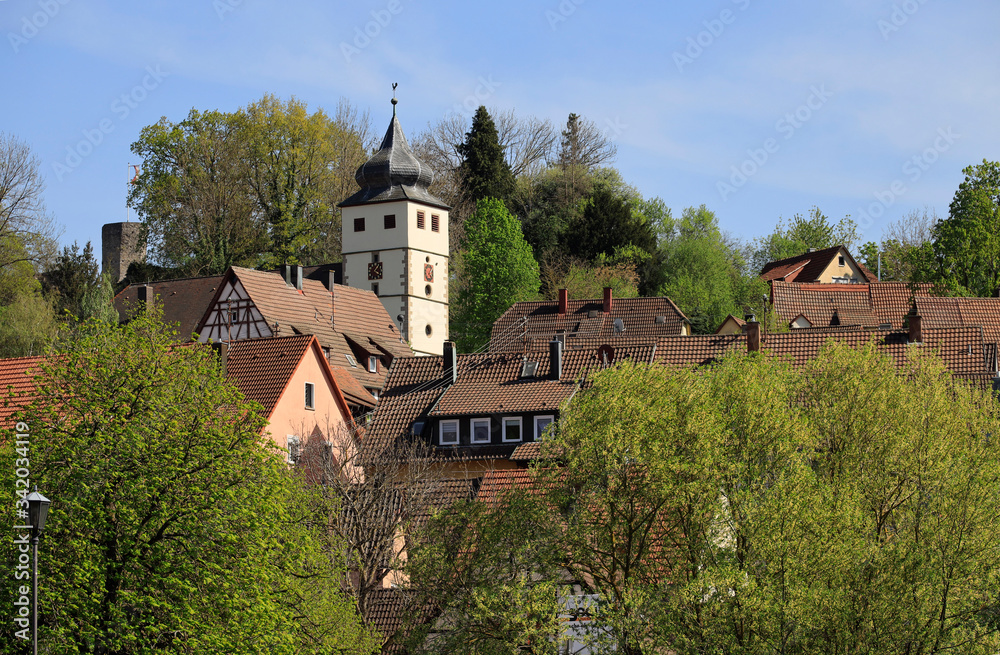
(38, 511)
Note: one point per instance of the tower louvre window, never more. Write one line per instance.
(359, 224)
(390, 221)
(420, 220)
(435, 223)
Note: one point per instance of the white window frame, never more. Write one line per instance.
(458, 436)
(373, 363)
(520, 428)
(294, 445)
(472, 430)
(310, 395)
(538, 433)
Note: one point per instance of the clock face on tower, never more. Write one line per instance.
(428, 272)
(375, 271)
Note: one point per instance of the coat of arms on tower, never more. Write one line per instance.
(428, 272)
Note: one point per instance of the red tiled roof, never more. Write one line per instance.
(183, 301)
(961, 349)
(354, 393)
(329, 316)
(892, 301)
(949, 312)
(853, 304)
(698, 349)
(528, 322)
(261, 368)
(17, 383)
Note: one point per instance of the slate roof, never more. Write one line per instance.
(17, 383)
(329, 316)
(183, 301)
(825, 305)
(938, 312)
(808, 267)
(531, 325)
(394, 173)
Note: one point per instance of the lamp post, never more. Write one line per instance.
(38, 511)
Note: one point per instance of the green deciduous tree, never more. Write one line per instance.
(850, 511)
(255, 187)
(802, 233)
(175, 526)
(488, 573)
(704, 273)
(496, 269)
(849, 505)
(967, 243)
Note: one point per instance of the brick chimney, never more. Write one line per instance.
(608, 300)
(753, 336)
(916, 330)
(563, 301)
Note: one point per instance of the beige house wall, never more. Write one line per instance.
(848, 273)
(404, 251)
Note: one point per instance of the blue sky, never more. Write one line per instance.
(758, 110)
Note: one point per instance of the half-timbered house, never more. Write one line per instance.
(352, 327)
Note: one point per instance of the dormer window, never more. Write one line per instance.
(373, 364)
(512, 428)
(480, 430)
(541, 423)
(449, 433)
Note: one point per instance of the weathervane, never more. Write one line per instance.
(394, 101)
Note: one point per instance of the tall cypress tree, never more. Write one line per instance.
(484, 170)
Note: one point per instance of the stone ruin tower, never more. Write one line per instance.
(121, 244)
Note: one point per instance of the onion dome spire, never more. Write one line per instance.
(394, 172)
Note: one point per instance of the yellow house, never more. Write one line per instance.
(827, 266)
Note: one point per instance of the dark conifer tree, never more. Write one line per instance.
(484, 171)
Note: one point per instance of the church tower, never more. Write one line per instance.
(395, 241)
